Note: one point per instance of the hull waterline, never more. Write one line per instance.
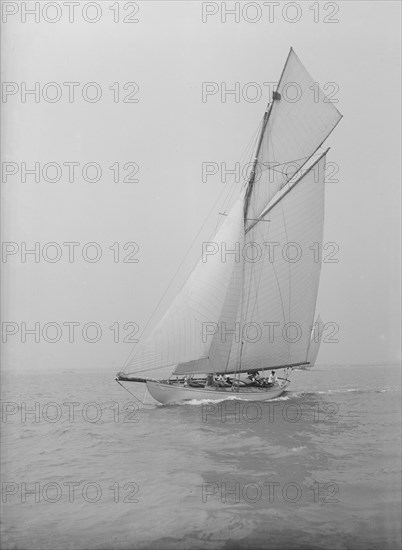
(169, 393)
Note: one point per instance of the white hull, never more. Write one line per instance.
(170, 393)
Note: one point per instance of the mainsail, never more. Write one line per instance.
(281, 286)
(254, 309)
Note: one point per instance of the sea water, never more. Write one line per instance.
(85, 464)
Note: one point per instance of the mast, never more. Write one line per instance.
(255, 161)
(251, 180)
(261, 137)
(246, 205)
(250, 184)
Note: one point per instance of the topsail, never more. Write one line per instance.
(296, 124)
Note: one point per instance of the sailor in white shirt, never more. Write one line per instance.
(272, 379)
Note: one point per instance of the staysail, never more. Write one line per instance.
(209, 298)
(254, 308)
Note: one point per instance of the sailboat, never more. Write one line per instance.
(248, 306)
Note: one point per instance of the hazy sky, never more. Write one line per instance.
(169, 133)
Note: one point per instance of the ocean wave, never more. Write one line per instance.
(288, 395)
(198, 402)
(342, 390)
(357, 390)
(207, 401)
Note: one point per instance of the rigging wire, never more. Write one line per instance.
(131, 393)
